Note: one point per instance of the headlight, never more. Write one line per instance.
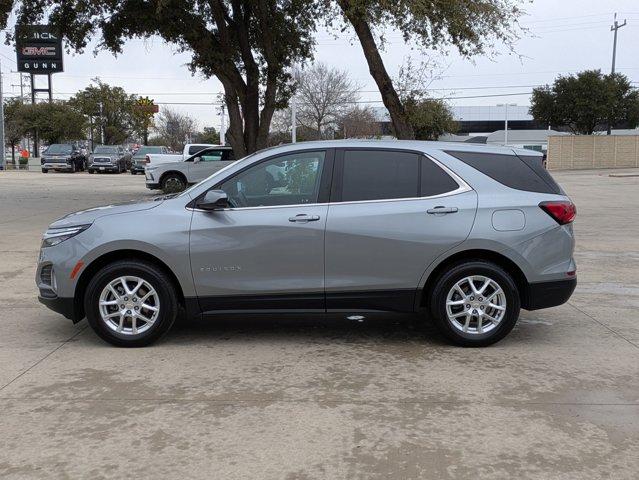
(54, 236)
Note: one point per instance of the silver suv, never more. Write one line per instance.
(465, 235)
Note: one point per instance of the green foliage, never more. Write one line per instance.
(111, 108)
(587, 101)
(430, 118)
(56, 122)
(208, 135)
(250, 46)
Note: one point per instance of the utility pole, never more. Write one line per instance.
(2, 121)
(615, 28)
(293, 121)
(222, 126)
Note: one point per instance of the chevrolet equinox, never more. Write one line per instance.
(465, 235)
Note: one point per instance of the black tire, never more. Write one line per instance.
(44, 170)
(149, 273)
(73, 167)
(446, 281)
(91, 171)
(173, 182)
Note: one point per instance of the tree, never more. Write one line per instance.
(14, 127)
(323, 95)
(174, 127)
(248, 45)
(428, 117)
(359, 122)
(112, 110)
(471, 26)
(56, 122)
(143, 112)
(207, 135)
(587, 101)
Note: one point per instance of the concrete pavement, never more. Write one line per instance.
(311, 397)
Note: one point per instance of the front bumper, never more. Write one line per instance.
(108, 167)
(57, 166)
(61, 305)
(548, 294)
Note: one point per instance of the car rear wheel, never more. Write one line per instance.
(173, 182)
(44, 170)
(475, 303)
(131, 303)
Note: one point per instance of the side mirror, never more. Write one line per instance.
(197, 159)
(214, 200)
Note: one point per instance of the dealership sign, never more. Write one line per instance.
(38, 49)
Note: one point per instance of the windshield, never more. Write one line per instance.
(59, 148)
(105, 149)
(145, 150)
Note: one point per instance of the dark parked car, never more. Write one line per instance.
(109, 158)
(63, 157)
(138, 161)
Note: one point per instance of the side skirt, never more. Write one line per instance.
(402, 300)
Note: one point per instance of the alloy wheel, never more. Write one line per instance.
(475, 305)
(129, 305)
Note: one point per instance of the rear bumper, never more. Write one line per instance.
(548, 294)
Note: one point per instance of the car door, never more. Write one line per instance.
(265, 252)
(206, 163)
(391, 214)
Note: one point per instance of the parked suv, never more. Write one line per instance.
(176, 176)
(65, 157)
(109, 158)
(466, 235)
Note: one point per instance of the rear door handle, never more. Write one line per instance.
(441, 210)
(303, 218)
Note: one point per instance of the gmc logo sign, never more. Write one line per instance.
(38, 51)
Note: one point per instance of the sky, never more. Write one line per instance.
(564, 37)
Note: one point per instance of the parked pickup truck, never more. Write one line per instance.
(176, 176)
(189, 150)
(138, 161)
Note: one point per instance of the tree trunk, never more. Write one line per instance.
(401, 125)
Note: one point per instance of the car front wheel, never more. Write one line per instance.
(475, 303)
(131, 303)
(173, 182)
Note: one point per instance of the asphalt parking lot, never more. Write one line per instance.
(311, 397)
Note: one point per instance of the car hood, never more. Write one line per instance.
(84, 217)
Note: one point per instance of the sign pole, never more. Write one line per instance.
(2, 152)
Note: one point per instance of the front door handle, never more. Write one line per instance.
(441, 210)
(303, 218)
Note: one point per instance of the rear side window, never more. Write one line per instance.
(435, 180)
(536, 163)
(509, 170)
(379, 174)
(193, 149)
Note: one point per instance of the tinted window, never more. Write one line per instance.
(58, 148)
(379, 174)
(287, 180)
(537, 164)
(435, 180)
(508, 170)
(193, 149)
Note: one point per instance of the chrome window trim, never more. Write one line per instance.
(463, 188)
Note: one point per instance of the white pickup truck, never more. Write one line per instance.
(190, 149)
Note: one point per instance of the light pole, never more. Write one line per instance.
(506, 105)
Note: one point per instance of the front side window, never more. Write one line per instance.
(287, 180)
(379, 175)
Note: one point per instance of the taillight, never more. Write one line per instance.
(147, 159)
(563, 211)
